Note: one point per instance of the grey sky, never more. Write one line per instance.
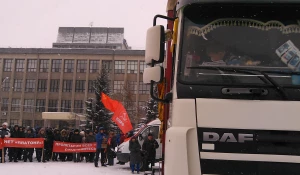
(34, 23)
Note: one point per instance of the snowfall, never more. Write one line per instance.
(63, 168)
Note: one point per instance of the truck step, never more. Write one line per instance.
(155, 167)
(147, 172)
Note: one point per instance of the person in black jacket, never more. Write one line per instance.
(28, 152)
(63, 138)
(56, 138)
(20, 151)
(39, 151)
(111, 145)
(76, 138)
(90, 138)
(149, 146)
(13, 152)
(135, 155)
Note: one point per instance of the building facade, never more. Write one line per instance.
(60, 80)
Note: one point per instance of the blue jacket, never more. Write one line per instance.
(99, 138)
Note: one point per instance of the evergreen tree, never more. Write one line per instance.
(151, 109)
(96, 112)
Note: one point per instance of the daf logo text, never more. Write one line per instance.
(226, 137)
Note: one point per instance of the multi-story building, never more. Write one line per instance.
(60, 80)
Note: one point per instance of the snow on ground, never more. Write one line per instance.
(62, 168)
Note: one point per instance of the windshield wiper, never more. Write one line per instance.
(278, 88)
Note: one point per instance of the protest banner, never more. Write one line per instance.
(22, 143)
(66, 147)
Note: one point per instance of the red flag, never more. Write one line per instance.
(120, 116)
(109, 103)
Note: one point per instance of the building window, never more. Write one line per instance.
(44, 64)
(13, 122)
(30, 86)
(80, 86)
(69, 66)
(20, 64)
(118, 86)
(107, 65)
(142, 66)
(81, 66)
(6, 85)
(18, 85)
(42, 85)
(65, 105)
(54, 85)
(132, 85)
(31, 65)
(8, 65)
(94, 66)
(119, 67)
(3, 120)
(56, 65)
(4, 106)
(142, 104)
(144, 88)
(27, 123)
(91, 86)
(67, 86)
(78, 106)
(52, 106)
(28, 105)
(132, 67)
(15, 104)
(40, 105)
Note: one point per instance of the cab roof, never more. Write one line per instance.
(181, 3)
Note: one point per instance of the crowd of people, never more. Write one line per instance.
(106, 144)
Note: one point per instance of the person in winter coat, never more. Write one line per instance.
(20, 151)
(13, 152)
(90, 138)
(135, 155)
(111, 145)
(63, 138)
(82, 155)
(76, 138)
(56, 138)
(101, 141)
(28, 152)
(149, 146)
(49, 144)
(4, 133)
(39, 151)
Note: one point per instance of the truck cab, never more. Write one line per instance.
(235, 87)
(123, 153)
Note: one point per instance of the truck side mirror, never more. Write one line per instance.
(155, 74)
(155, 45)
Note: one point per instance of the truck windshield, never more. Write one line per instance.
(264, 38)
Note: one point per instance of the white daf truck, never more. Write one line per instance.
(235, 94)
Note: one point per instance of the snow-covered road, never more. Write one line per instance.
(62, 168)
